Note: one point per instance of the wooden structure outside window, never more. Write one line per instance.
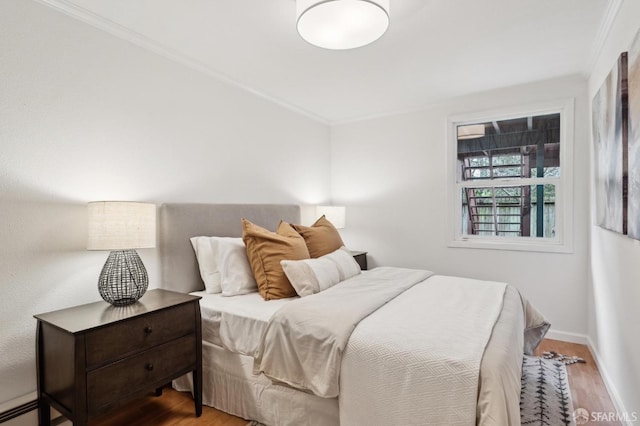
(509, 171)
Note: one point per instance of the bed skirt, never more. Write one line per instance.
(230, 386)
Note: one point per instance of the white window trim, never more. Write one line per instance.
(563, 241)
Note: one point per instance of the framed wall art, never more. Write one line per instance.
(634, 139)
(610, 133)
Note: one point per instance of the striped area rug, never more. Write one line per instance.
(545, 398)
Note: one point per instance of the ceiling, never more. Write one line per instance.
(433, 50)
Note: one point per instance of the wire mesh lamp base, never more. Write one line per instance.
(123, 279)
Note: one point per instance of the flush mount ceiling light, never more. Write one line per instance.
(342, 24)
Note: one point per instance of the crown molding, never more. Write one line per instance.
(603, 32)
(115, 29)
(140, 40)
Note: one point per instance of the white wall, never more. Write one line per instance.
(390, 172)
(86, 116)
(614, 308)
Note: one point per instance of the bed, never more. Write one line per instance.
(398, 365)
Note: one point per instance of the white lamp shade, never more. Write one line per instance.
(471, 131)
(342, 24)
(334, 214)
(120, 225)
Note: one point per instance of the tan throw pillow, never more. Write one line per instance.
(265, 250)
(321, 237)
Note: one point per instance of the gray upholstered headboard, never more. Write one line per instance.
(179, 222)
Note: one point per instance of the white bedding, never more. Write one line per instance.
(412, 342)
(422, 351)
(236, 323)
(304, 341)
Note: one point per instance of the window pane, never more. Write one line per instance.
(547, 211)
(505, 159)
(520, 147)
(499, 164)
(511, 211)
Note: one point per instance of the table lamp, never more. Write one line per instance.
(122, 227)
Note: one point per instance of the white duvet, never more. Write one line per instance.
(412, 344)
(418, 358)
(303, 343)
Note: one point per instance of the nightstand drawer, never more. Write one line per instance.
(121, 339)
(105, 386)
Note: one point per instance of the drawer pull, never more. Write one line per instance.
(148, 329)
(149, 367)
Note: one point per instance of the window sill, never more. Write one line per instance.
(512, 245)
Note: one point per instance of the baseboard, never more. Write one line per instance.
(18, 406)
(567, 336)
(606, 378)
(18, 411)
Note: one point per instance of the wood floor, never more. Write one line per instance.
(588, 390)
(176, 408)
(172, 408)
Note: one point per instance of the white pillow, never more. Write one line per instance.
(224, 266)
(310, 276)
(207, 263)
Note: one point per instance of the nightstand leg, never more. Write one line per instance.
(44, 413)
(197, 391)
(159, 391)
(197, 373)
(44, 409)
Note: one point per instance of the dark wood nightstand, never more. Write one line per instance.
(361, 258)
(93, 358)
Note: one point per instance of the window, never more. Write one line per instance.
(511, 179)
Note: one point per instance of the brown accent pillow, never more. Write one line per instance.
(321, 237)
(265, 250)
